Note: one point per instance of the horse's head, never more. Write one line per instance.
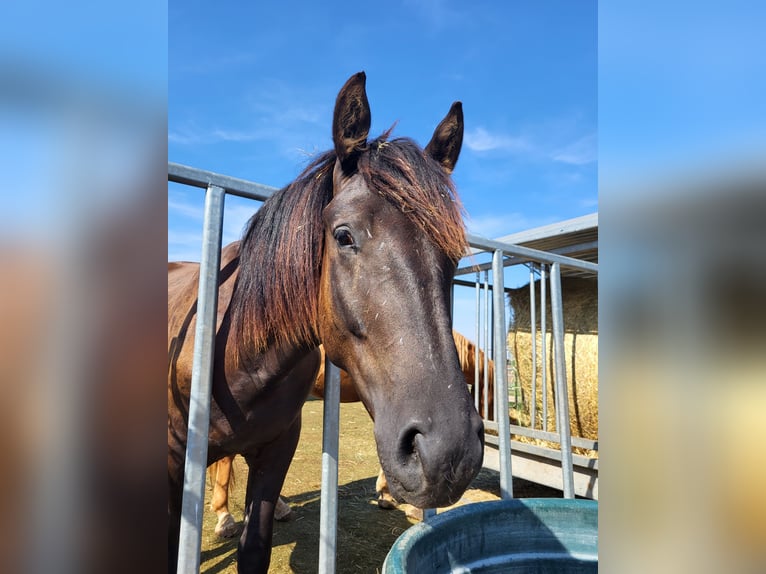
(393, 235)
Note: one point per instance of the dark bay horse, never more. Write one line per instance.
(357, 254)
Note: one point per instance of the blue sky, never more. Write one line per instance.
(251, 90)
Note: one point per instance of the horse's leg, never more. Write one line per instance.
(267, 471)
(282, 512)
(226, 527)
(385, 500)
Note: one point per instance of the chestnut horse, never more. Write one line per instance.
(221, 471)
(357, 254)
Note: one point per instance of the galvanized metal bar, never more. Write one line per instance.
(529, 254)
(544, 343)
(201, 383)
(562, 399)
(510, 261)
(492, 346)
(202, 178)
(485, 382)
(463, 283)
(477, 331)
(428, 514)
(553, 437)
(501, 382)
(533, 333)
(328, 508)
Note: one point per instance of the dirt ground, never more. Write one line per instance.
(365, 532)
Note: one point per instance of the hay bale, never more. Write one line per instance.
(580, 304)
(580, 301)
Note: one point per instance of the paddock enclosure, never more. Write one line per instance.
(546, 445)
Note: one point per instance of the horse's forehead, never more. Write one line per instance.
(351, 189)
(353, 195)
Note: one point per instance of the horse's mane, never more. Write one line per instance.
(466, 351)
(275, 300)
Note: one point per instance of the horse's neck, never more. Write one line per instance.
(275, 361)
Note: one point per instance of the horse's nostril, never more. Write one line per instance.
(407, 442)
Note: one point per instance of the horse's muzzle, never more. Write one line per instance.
(434, 463)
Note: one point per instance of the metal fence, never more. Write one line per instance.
(217, 186)
(491, 318)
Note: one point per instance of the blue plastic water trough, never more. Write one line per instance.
(533, 535)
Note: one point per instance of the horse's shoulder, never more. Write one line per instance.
(174, 266)
(230, 252)
(185, 274)
(183, 283)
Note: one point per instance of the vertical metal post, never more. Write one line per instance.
(544, 344)
(428, 514)
(562, 400)
(202, 377)
(477, 324)
(501, 382)
(533, 333)
(328, 507)
(485, 383)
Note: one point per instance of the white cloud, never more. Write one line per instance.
(436, 14)
(481, 140)
(493, 225)
(235, 135)
(282, 116)
(185, 209)
(215, 64)
(196, 136)
(580, 152)
(559, 143)
(183, 138)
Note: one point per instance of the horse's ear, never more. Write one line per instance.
(351, 121)
(447, 140)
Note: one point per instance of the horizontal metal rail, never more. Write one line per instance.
(552, 454)
(232, 185)
(553, 437)
(510, 261)
(471, 284)
(530, 254)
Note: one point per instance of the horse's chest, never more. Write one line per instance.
(251, 409)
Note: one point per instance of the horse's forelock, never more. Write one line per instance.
(401, 172)
(276, 296)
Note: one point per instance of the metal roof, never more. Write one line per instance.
(576, 238)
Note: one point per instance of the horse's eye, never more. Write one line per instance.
(343, 237)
